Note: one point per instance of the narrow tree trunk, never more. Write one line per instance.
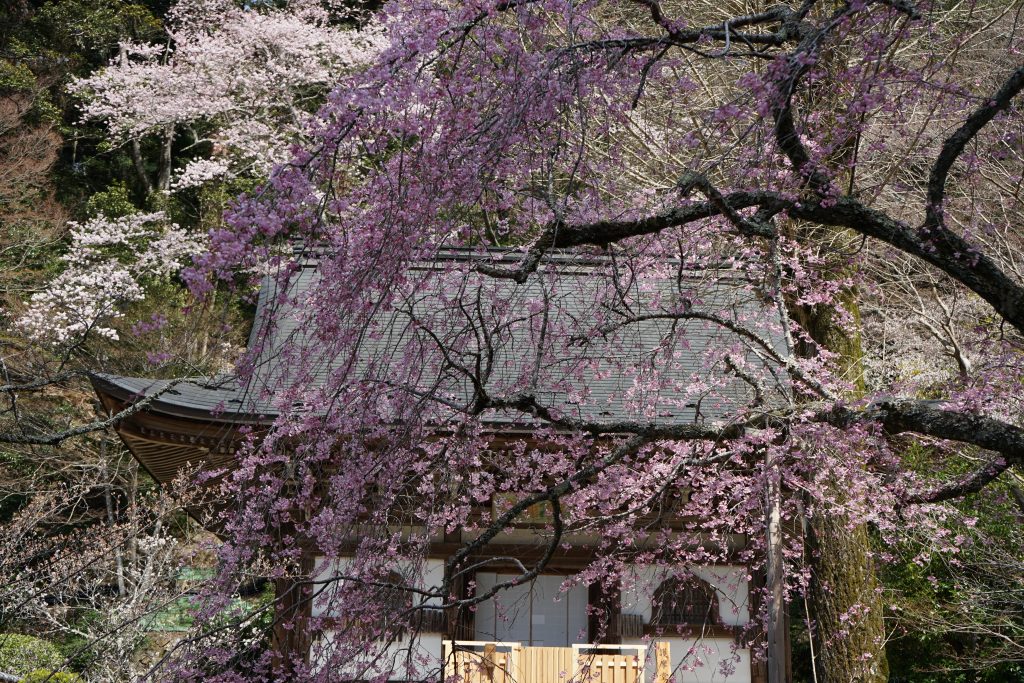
(777, 636)
(163, 180)
(134, 147)
(291, 638)
(140, 167)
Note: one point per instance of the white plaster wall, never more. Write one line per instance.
(430, 574)
(730, 582)
(705, 660)
(404, 659)
(409, 658)
(700, 660)
(556, 619)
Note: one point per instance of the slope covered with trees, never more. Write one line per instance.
(98, 216)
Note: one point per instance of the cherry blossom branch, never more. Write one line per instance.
(921, 417)
(553, 543)
(562, 488)
(56, 438)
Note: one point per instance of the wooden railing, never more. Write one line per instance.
(474, 661)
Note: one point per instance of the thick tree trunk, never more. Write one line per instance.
(846, 604)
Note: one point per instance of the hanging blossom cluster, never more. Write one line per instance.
(576, 139)
(239, 79)
(108, 264)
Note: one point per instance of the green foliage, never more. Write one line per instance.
(21, 655)
(175, 617)
(114, 202)
(953, 615)
(48, 676)
(91, 29)
(45, 44)
(15, 77)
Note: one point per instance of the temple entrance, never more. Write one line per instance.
(533, 614)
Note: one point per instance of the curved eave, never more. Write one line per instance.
(166, 438)
(194, 400)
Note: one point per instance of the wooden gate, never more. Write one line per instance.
(474, 661)
(471, 661)
(594, 664)
(545, 664)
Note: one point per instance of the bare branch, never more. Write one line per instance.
(971, 483)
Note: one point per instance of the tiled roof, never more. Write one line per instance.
(607, 372)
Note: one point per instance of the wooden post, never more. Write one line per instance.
(490, 654)
(662, 662)
(293, 607)
(777, 637)
(515, 663)
(603, 622)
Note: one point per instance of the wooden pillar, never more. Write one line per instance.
(462, 620)
(293, 606)
(603, 614)
(758, 667)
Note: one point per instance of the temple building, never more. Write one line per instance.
(652, 627)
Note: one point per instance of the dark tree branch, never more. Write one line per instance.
(42, 383)
(976, 271)
(1018, 497)
(726, 31)
(971, 483)
(955, 144)
(786, 135)
(753, 227)
(956, 258)
(553, 492)
(527, 403)
(603, 233)
(899, 416)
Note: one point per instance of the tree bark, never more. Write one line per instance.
(845, 600)
(778, 642)
(163, 181)
(846, 603)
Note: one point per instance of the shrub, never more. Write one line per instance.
(21, 654)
